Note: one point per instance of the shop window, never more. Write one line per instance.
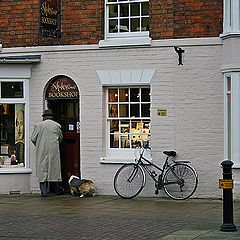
(128, 117)
(12, 134)
(12, 89)
(12, 124)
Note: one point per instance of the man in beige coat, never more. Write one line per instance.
(47, 136)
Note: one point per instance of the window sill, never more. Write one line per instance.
(14, 170)
(124, 42)
(107, 160)
(118, 161)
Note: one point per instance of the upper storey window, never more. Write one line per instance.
(127, 16)
(125, 20)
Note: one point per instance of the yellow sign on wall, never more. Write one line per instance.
(162, 112)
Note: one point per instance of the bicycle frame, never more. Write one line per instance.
(157, 178)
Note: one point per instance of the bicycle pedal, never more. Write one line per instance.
(156, 192)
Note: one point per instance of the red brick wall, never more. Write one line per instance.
(161, 19)
(197, 18)
(18, 22)
(82, 21)
(185, 18)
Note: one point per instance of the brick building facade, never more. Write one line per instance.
(109, 50)
(82, 22)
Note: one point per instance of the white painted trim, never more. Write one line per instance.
(27, 123)
(122, 160)
(15, 71)
(235, 118)
(231, 24)
(236, 166)
(230, 69)
(188, 42)
(225, 117)
(125, 77)
(116, 161)
(230, 35)
(18, 73)
(124, 42)
(15, 170)
(235, 16)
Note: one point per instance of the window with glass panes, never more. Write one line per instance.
(12, 120)
(125, 16)
(129, 111)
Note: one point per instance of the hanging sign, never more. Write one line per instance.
(62, 87)
(49, 18)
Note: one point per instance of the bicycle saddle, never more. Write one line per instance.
(170, 153)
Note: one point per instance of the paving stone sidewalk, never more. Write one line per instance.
(110, 217)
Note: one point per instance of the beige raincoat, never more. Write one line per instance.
(46, 137)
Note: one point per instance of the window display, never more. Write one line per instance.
(12, 138)
(128, 116)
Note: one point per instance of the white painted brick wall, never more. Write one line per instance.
(191, 93)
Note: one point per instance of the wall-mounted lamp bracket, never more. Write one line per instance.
(179, 51)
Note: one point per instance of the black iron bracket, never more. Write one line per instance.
(179, 51)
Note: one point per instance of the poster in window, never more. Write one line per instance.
(19, 132)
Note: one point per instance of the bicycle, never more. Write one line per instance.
(177, 178)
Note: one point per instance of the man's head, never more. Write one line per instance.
(48, 114)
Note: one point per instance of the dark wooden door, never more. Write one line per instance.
(66, 112)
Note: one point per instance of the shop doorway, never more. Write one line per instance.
(66, 113)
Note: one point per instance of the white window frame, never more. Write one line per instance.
(231, 25)
(123, 38)
(123, 78)
(25, 101)
(122, 34)
(232, 122)
(122, 155)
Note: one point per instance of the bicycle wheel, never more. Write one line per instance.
(180, 181)
(129, 180)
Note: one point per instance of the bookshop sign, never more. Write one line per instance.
(62, 87)
(49, 18)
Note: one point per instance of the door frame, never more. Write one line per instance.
(75, 94)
